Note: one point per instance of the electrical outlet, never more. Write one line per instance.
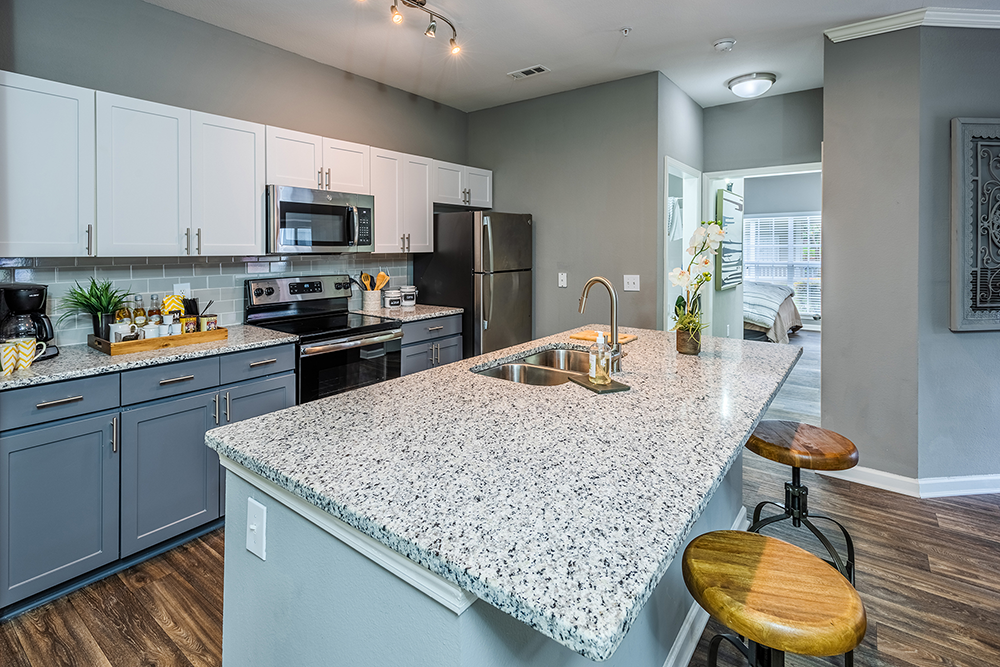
(631, 283)
(256, 529)
(562, 280)
(184, 289)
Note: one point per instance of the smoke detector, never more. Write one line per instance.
(528, 71)
(725, 45)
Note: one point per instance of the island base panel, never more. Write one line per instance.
(317, 601)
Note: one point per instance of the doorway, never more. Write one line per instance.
(682, 214)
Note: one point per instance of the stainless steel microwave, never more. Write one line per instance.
(300, 220)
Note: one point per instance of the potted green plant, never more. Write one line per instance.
(99, 299)
(688, 322)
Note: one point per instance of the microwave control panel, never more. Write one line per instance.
(364, 227)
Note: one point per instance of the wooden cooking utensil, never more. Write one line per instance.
(366, 280)
(381, 280)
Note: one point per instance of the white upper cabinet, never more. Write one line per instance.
(46, 168)
(404, 215)
(346, 167)
(460, 185)
(227, 185)
(143, 178)
(294, 158)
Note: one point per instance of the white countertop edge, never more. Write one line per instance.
(453, 597)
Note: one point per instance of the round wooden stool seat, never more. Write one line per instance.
(802, 446)
(774, 593)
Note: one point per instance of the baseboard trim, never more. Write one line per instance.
(937, 17)
(924, 487)
(686, 642)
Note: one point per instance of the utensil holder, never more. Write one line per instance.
(371, 300)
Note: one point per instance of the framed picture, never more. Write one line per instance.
(729, 261)
(975, 224)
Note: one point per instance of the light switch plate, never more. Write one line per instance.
(631, 283)
(256, 529)
(184, 289)
(562, 280)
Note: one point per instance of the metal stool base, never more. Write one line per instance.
(756, 655)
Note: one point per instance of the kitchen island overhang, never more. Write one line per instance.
(558, 507)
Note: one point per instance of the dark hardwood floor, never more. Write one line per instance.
(926, 572)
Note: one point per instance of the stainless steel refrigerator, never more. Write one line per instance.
(482, 263)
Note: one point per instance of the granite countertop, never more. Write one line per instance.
(75, 361)
(558, 506)
(417, 312)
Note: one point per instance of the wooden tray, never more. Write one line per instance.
(160, 343)
(584, 381)
(592, 337)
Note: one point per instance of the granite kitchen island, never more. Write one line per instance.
(448, 518)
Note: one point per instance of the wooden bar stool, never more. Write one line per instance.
(804, 446)
(780, 597)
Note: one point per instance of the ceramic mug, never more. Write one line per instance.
(117, 332)
(151, 331)
(28, 349)
(163, 329)
(8, 357)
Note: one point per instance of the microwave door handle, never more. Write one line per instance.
(357, 225)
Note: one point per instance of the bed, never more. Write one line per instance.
(769, 312)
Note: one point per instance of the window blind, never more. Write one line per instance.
(786, 250)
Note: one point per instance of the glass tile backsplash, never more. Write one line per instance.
(211, 278)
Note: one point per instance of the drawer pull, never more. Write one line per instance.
(183, 378)
(114, 435)
(61, 401)
(435, 328)
(263, 362)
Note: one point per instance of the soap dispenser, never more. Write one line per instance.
(600, 357)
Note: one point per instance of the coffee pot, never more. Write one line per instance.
(22, 315)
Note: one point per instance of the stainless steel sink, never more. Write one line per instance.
(574, 361)
(529, 374)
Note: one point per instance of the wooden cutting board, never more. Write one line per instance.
(592, 337)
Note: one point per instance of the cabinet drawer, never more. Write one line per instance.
(438, 327)
(59, 400)
(253, 364)
(147, 384)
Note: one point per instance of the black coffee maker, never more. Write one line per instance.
(22, 315)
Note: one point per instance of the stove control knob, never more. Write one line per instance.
(258, 292)
(269, 291)
(338, 286)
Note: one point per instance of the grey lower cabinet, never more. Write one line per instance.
(430, 343)
(59, 503)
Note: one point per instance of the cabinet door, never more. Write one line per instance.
(294, 158)
(227, 185)
(47, 171)
(418, 207)
(254, 399)
(448, 350)
(387, 187)
(143, 178)
(346, 167)
(479, 183)
(449, 183)
(415, 358)
(170, 479)
(59, 506)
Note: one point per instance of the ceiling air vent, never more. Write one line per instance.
(528, 71)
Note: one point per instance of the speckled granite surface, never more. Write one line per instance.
(556, 505)
(75, 361)
(418, 312)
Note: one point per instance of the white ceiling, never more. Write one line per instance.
(580, 40)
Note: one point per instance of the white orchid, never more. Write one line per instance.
(704, 243)
(701, 264)
(680, 277)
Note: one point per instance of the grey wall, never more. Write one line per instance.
(134, 48)
(585, 164)
(789, 193)
(959, 397)
(771, 131)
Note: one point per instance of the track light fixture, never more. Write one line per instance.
(431, 31)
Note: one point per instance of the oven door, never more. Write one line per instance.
(306, 221)
(335, 366)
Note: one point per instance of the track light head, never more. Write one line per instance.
(431, 29)
(397, 18)
(455, 48)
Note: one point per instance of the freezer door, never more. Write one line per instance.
(503, 243)
(504, 310)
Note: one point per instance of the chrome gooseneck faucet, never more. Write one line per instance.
(616, 348)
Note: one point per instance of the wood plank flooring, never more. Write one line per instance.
(926, 573)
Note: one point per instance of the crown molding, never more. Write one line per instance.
(937, 17)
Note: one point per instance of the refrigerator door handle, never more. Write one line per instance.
(490, 315)
(489, 241)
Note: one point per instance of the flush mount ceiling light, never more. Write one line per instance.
(725, 45)
(751, 85)
(431, 31)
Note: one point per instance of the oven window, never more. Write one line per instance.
(324, 375)
(313, 225)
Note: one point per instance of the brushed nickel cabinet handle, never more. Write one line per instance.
(435, 328)
(215, 399)
(61, 401)
(227, 407)
(187, 240)
(319, 180)
(327, 179)
(402, 242)
(407, 243)
(199, 240)
(114, 435)
(90, 240)
(183, 378)
(265, 362)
